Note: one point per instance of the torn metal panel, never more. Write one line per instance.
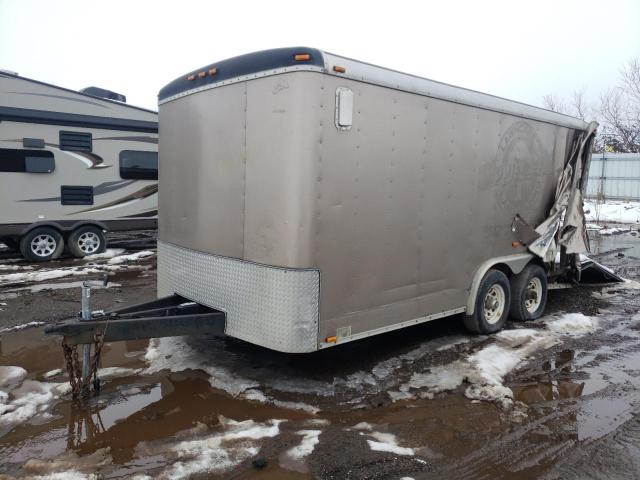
(566, 225)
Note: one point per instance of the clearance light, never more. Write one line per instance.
(333, 339)
(202, 74)
(213, 71)
(516, 244)
(338, 69)
(191, 77)
(302, 57)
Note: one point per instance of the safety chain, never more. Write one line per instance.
(71, 355)
(98, 340)
(80, 386)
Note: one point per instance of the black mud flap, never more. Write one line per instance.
(166, 317)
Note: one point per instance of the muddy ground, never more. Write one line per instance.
(556, 398)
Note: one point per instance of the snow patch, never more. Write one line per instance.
(68, 475)
(222, 451)
(486, 368)
(60, 286)
(21, 327)
(573, 324)
(29, 401)
(310, 438)
(612, 211)
(131, 257)
(42, 275)
(363, 426)
(108, 253)
(11, 376)
(387, 442)
(13, 268)
(108, 373)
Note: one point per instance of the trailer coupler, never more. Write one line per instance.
(166, 317)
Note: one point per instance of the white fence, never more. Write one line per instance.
(614, 176)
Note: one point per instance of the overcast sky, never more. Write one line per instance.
(516, 49)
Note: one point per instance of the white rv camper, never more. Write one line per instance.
(73, 165)
(310, 200)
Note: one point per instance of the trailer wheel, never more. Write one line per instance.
(492, 304)
(42, 244)
(86, 240)
(528, 293)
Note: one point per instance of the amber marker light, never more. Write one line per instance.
(191, 77)
(516, 244)
(333, 339)
(338, 69)
(302, 57)
(202, 74)
(213, 71)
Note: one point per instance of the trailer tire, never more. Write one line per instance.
(86, 240)
(492, 304)
(528, 293)
(42, 244)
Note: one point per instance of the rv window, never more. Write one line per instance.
(138, 165)
(32, 161)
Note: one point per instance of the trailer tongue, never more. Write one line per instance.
(165, 317)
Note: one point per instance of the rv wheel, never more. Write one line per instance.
(492, 304)
(528, 293)
(42, 244)
(86, 240)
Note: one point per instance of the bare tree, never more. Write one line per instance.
(579, 106)
(631, 79)
(618, 111)
(554, 103)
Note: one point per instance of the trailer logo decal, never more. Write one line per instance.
(517, 178)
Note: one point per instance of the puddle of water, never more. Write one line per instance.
(128, 412)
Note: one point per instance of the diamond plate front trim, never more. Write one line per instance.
(273, 307)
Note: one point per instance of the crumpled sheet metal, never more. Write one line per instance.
(566, 225)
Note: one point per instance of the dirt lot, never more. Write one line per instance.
(556, 398)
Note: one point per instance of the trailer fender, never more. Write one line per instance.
(63, 226)
(516, 264)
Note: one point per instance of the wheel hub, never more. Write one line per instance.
(88, 242)
(43, 245)
(494, 304)
(533, 295)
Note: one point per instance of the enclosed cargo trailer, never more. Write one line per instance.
(315, 200)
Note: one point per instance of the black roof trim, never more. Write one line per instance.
(127, 105)
(243, 65)
(26, 115)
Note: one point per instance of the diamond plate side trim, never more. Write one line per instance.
(274, 307)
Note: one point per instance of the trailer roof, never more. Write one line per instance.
(9, 74)
(282, 60)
